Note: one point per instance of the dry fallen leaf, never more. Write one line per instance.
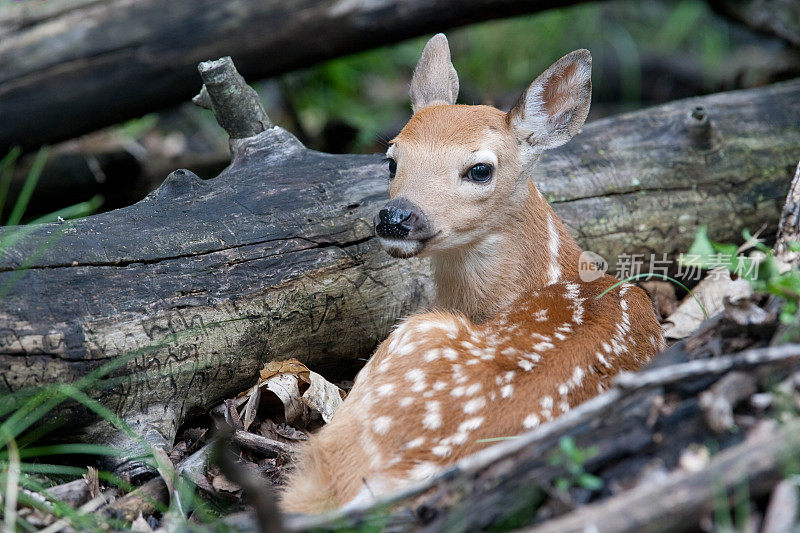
(663, 294)
(323, 396)
(296, 387)
(92, 478)
(688, 316)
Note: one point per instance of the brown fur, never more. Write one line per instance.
(518, 338)
(350, 453)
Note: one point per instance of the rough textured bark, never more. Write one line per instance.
(676, 503)
(776, 17)
(642, 182)
(203, 281)
(72, 66)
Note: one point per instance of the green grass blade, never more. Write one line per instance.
(496, 439)
(31, 412)
(28, 187)
(99, 409)
(70, 449)
(81, 209)
(657, 275)
(6, 173)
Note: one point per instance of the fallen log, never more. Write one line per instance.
(190, 291)
(775, 17)
(676, 503)
(73, 66)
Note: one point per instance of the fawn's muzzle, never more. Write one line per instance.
(401, 219)
(402, 227)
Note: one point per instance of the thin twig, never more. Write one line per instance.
(632, 381)
(88, 507)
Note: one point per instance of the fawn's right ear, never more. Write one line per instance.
(435, 81)
(552, 110)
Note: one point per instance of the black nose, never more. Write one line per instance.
(394, 222)
(400, 219)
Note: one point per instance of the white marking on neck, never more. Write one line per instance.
(554, 270)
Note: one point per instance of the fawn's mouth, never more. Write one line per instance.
(405, 248)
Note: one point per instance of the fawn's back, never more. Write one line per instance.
(518, 337)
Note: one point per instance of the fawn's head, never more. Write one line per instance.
(459, 173)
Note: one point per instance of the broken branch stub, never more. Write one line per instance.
(235, 104)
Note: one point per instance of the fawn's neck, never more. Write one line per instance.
(533, 250)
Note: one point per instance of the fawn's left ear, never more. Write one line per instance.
(435, 81)
(553, 108)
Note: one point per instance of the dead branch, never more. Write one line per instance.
(675, 504)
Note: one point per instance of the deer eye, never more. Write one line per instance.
(392, 167)
(480, 173)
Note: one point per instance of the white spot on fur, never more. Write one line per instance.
(415, 375)
(470, 424)
(382, 424)
(449, 353)
(450, 328)
(442, 451)
(433, 415)
(406, 401)
(432, 355)
(540, 315)
(546, 402)
(530, 422)
(458, 439)
(405, 349)
(472, 389)
(474, 405)
(507, 390)
(423, 470)
(577, 376)
(416, 443)
(439, 386)
(525, 364)
(603, 360)
(386, 389)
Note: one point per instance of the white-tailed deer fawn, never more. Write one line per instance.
(518, 337)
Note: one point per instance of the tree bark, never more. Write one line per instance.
(780, 18)
(194, 288)
(73, 66)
